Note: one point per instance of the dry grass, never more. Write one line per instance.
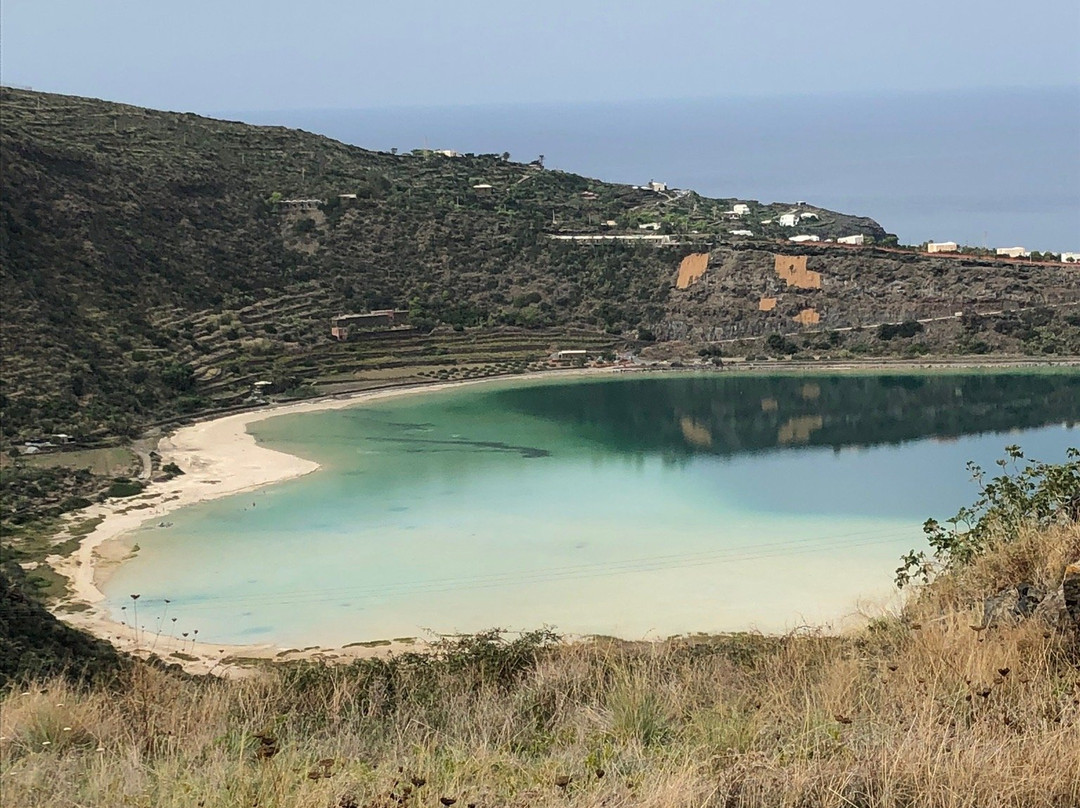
(920, 710)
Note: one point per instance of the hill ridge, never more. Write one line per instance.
(150, 269)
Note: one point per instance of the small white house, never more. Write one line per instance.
(859, 239)
(789, 219)
(658, 187)
(804, 238)
(1013, 252)
(448, 152)
(741, 232)
(942, 247)
(740, 209)
(649, 226)
(809, 215)
(483, 188)
(1071, 257)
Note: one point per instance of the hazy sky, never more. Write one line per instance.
(269, 54)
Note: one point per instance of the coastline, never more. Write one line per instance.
(220, 457)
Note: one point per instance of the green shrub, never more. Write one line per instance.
(1030, 495)
(123, 487)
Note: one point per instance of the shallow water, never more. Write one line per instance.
(633, 506)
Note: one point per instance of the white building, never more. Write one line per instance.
(789, 219)
(740, 209)
(741, 232)
(1013, 252)
(942, 247)
(859, 239)
(649, 226)
(448, 152)
(809, 215)
(658, 187)
(1071, 257)
(803, 238)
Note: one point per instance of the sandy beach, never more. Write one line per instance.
(220, 457)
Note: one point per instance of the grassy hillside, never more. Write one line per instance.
(150, 270)
(915, 710)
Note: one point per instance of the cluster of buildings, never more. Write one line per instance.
(1003, 252)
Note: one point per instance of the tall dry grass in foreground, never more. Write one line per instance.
(920, 710)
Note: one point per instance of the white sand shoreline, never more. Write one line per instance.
(219, 457)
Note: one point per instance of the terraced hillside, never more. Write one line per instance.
(156, 265)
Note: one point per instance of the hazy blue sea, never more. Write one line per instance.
(993, 168)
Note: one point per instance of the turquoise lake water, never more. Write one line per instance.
(635, 506)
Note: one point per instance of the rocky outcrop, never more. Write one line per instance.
(1058, 607)
(1011, 604)
(1070, 592)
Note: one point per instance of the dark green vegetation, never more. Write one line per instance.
(34, 644)
(36, 490)
(152, 270)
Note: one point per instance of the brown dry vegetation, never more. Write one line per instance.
(915, 710)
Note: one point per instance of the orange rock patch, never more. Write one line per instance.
(792, 270)
(692, 268)
(808, 317)
(694, 433)
(798, 429)
(767, 304)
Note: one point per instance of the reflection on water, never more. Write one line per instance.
(733, 414)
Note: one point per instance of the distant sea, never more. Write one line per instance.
(987, 168)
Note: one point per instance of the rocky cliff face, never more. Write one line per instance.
(752, 291)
